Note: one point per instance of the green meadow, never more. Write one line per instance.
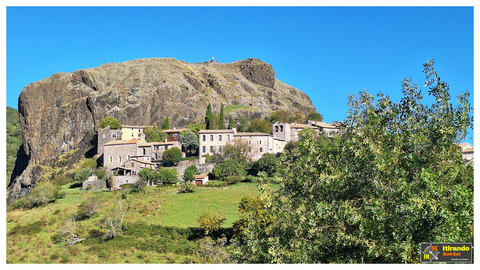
(160, 226)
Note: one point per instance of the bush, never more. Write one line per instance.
(216, 184)
(229, 167)
(89, 163)
(210, 222)
(187, 188)
(61, 179)
(126, 186)
(88, 208)
(100, 173)
(43, 193)
(173, 155)
(19, 204)
(168, 176)
(82, 175)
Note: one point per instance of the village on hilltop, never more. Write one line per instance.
(125, 151)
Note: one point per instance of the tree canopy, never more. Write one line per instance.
(110, 121)
(154, 134)
(394, 179)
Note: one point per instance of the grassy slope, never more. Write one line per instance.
(148, 239)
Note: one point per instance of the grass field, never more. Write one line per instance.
(161, 226)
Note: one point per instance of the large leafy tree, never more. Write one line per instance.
(154, 134)
(166, 123)
(394, 179)
(190, 142)
(259, 125)
(110, 121)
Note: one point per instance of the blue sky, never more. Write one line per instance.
(326, 52)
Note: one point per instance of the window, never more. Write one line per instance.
(220, 149)
(133, 164)
(228, 137)
(110, 159)
(144, 151)
(276, 128)
(114, 135)
(204, 137)
(281, 128)
(204, 149)
(220, 137)
(119, 159)
(211, 149)
(260, 142)
(211, 138)
(261, 149)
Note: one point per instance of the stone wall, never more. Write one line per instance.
(94, 183)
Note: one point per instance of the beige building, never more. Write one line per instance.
(291, 132)
(131, 132)
(214, 141)
(467, 152)
(155, 150)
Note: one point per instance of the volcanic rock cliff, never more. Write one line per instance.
(61, 113)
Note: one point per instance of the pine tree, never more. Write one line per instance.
(231, 122)
(209, 117)
(166, 124)
(221, 121)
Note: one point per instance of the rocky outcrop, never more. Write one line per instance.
(60, 113)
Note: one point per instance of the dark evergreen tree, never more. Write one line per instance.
(221, 121)
(209, 117)
(231, 122)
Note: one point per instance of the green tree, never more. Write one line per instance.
(258, 125)
(173, 155)
(242, 124)
(89, 163)
(221, 120)
(231, 122)
(196, 127)
(190, 142)
(110, 121)
(315, 116)
(209, 117)
(394, 179)
(226, 168)
(268, 163)
(14, 140)
(154, 134)
(168, 176)
(190, 173)
(148, 175)
(166, 123)
(82, 175)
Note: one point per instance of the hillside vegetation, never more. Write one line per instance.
(160, 226)
(14, 139)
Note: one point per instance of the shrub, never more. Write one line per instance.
(88, 208)
(18, 204)
(227, 168)
(89, 163)
(43, 193)
(100, 173)
(82, 175)
(126, 186)
(168, 176)
(187, 188)
(61, 179)
(216, 184)
(210, 222)
(173, 155)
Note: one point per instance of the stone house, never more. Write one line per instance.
(261, 143)
(213, 141)
(329, 129)
(117, 152)
(467, 151)
(291, 132)
(106, 135)
(155, 150)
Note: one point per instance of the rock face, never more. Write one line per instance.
(61, 113)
